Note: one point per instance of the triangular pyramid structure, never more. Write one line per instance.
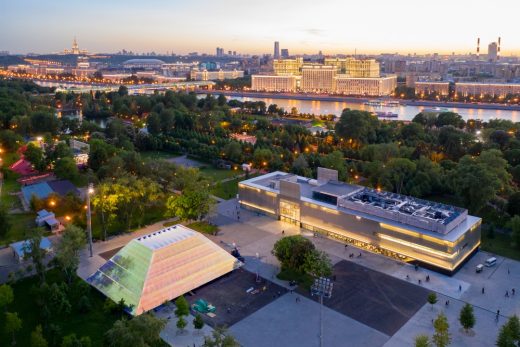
(161, 266)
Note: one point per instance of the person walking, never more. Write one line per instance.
(507, 294)
(460, 288)
(513, 291)
(482, 290)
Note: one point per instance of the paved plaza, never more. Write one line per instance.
(377, 301)
(286, 322)
(367, 295)
(236, 296)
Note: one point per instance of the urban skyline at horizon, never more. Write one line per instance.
(387, 28)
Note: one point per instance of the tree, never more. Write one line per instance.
(397, 172)
(142, 331)
(12, 324)
(291, 251)
(473, 183)
(317, 264)
(495, 162)
(515, 231)
(9, 140)
(35, 156)
(233, 151)
(513, 204)
(6, 296)
(422, 341)
(466, 317)
(43, 121)
(301, 167)
(509, 335)
(67, 254)
(153, 124)
(193, 203)
(357, 127)
(221, 100)
(66, 168)
(36, 254)
(432, 299)
(181, 323)
(100, 152)
(198, 323)
(335, 161)
(105, 202)
(262, 157)
(182, 306)
(123, 91)
(37, 339)
(449, 118)
(453, 142)
(73, 341)
(442, 336)
(220, 338)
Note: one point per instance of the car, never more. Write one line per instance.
(491, 261)
(479, 268)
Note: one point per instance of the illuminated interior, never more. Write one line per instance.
(161, 266)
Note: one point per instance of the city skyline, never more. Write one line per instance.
(182, 27)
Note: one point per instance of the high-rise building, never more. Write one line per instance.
(285, 53)
(270, 83)
(362, 68)
(276, 54)
(492, 51)
(365, 86)
(318, 78)
(357, 68)
(283, 67)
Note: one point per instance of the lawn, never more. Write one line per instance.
(217, 175)
(500, 244)
(203, 227)
(93, 323)
(226, 190)
(20, 224)
(157, 155)
(151, 215)
(305, 281)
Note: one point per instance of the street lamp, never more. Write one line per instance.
(322, 287)
(90, 190)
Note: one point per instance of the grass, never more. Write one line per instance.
(10, 185)
(151, 215)
(93, 323)
(21, 223)
(217, 175)
(304, 280)
(226, 190)
(229, 189)
(157, 155)
(203, 227)
(500, 244)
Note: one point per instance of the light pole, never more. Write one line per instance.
(323, 288)
(90, 190)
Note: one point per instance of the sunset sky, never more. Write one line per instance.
(246, 26)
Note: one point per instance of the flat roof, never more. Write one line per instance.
(336, 188)
(165, 237)
(341, 189)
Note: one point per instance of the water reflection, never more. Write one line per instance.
(404, 112)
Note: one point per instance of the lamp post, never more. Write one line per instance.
(90, 190)
(323, 288)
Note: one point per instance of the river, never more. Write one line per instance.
(404, 112)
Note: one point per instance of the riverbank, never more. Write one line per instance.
(360, 100)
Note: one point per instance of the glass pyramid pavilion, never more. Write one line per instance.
(161, 266)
